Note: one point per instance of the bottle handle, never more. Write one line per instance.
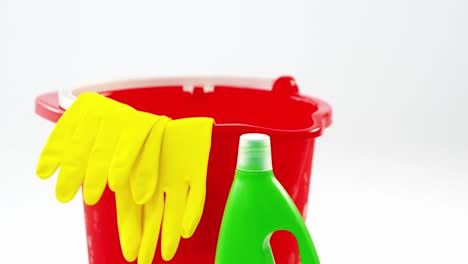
(294, 223)
(306, 246)
(296, 226)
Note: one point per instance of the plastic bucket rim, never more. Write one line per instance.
(321, 118)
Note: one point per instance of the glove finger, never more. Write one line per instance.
(144, 176)
(52, 154)
(129, 146)
(152, 217)
(172, 223)
(129, 223)
(76, 157)
(99, 160)
(194, 208)
(199, 145)
(104, 147)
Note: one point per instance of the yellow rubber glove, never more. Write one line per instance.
(99, 140)
(140, 185)
(71, 143)
(181, 189)
(95, 141)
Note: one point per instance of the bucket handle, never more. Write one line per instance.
(68, 96)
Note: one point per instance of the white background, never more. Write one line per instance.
(390, 178)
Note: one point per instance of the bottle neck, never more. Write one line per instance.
(254, 160)
(254, 153)
(254, 174)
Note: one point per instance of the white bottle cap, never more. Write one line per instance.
(254, 153)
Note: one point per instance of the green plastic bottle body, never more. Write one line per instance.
(257, 207)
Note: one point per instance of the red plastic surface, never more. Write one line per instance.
(293, 122)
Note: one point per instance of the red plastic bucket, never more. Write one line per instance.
(273, 107)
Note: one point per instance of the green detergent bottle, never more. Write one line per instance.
(257, 207)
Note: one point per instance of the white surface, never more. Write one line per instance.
(390, 176)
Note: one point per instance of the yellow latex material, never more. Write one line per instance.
(99, 141)
(95, 141)
(177, 204)
(138, 189)
(156, 167)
